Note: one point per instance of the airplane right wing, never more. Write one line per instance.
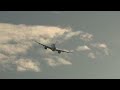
(59, 50)
(43, 45)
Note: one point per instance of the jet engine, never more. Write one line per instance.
(45, 47)
(59, 52)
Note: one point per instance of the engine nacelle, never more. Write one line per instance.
(45, 47)
(59, 52)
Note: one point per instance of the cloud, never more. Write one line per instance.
(82, 35)
(27, 64)
(19, 52)
(86, 36)
(71, 34)
(101, 46)
(3, 57)
(91, 55)
(93, 49)
(83, 48)
(57, 61)
(29, 32)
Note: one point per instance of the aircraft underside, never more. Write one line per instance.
(54, 49)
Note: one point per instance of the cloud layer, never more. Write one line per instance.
(19, 52)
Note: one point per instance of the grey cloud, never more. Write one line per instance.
(57, 61)
(101, 46)
(19, 52)
(71, 34)
(27, 64)
(91, 55)
(86, 36)
(92, 46)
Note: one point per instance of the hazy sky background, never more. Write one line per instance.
(103, 25)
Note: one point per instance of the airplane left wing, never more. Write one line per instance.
(43, 45)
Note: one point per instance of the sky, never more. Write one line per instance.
(93, 36)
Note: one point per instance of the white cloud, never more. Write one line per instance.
(27, 64)
(101, 46)
(51, 62)
(19, 52)
(86, 36)
(14, 48)
(91, 55)
(30, 32)
(83, 48)
(63, 61)
(71, 34)
(16, 41)
(83, 35)
(57, 61)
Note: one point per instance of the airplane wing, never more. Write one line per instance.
(59, 50)
(43, 45)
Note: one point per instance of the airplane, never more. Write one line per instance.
(53, 48)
